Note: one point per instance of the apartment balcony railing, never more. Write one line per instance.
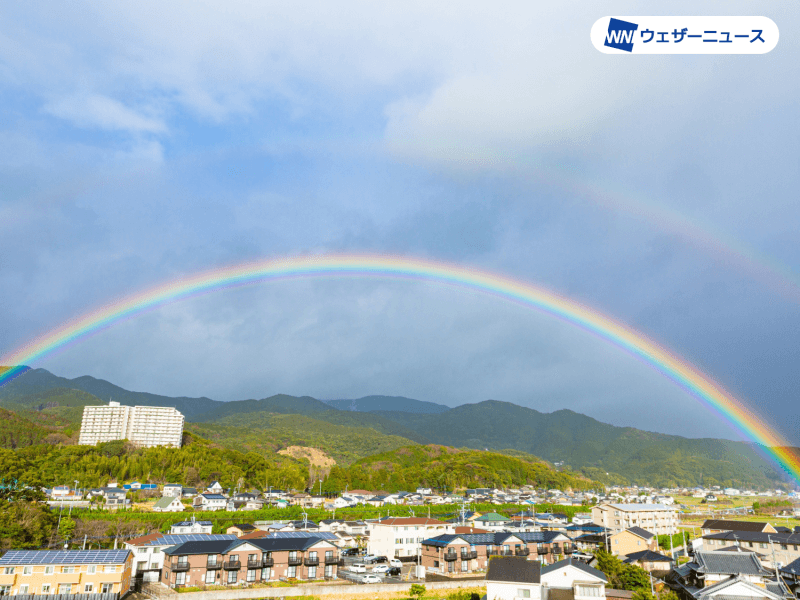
(505, 552)
(469, 555)
(213, 566)
(543, 551)
(253, 563)
(312, 562)
(232, 565)
(180, 566)
(295, 561)
(522, 551)
(450, 556)
(332, 560)
(267, 561)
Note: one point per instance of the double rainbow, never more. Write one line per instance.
(685, 375)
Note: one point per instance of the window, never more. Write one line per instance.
(591, 591)
(27, 570)
(329, 554)
(266, 574)
(23, 589)
(113, 568)
(88, 588)
(312, 555)
(92, 569)
(232, 576)
(292, 571)
(312, 572)
(156, 550)
(67, 570)
(141, 551)
(464, 565)
(8, 571)
(252, 558)
(209, 577)
(49, 569)
(107, 588)
(398, 540)
(5, 590)
(251, 575)
(523, 593)
(46, 588)
(180, 578)
(64, 588)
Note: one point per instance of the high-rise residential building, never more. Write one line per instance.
(143, 425)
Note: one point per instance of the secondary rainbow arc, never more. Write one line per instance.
(681, 372)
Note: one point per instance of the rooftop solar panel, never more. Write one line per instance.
(63, 557)
(180, 538)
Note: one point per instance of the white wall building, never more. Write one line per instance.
(655, 518)
(143, 425)
(402, 536)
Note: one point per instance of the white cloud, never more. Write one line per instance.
(102, 112)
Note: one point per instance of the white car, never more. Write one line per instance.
(358, 568)
(371, 579)
(395, 563)
(380, 568)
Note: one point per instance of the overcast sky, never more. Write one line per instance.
(143, 141)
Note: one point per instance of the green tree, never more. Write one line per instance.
(634, 578)
(417, 590)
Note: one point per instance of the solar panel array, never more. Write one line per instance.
(63, 557)
(179, 538)
(325, 535)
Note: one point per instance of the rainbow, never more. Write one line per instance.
(682, 373)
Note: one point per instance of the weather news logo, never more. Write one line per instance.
(620, 34)
(684, 35)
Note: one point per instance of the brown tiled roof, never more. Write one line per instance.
(254, 535)
(150, 537)
(471, 530)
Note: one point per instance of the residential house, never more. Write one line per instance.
(148, 550)
(470, 552)
(491, 520)
(188, 492)
(711, 526)
(402, 536)
(114, 497)
(168, 504)
(215, 488)
(172, 489)
(582, 519)
(652, 562)
(633, 539)
(657, 518)
(513, 578)
(242, 562)
(191, 527)
(572, 579)
(210, 502)
(785, 546)
(708, 570)
(28, 573)
(241, 529)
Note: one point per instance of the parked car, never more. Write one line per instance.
(394, 571)
(584, 556)
(350, 552)
(395, 562)
(380, 568)
(371, 579)
(381, 559)
(358, 568)
(370, 558)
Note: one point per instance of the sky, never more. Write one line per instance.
(145, 141)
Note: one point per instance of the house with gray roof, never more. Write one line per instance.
(711, 568)
(511, 578)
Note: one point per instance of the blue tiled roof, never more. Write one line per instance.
(64, 557)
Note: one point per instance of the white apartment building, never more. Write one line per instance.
(655, 518)
(143, 425)
(402, 536)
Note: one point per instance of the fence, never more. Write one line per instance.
(316, 590)
(63, 597)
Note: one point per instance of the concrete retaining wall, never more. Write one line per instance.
(317, 590)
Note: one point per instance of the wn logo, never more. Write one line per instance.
(620, 34)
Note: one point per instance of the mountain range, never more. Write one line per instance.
(350, 430)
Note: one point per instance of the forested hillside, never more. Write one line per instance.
(450, 468)
(198, 462)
